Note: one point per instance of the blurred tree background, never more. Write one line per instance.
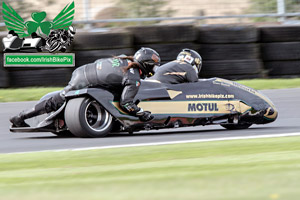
(144, 8)
(135, 9)
(270, 6)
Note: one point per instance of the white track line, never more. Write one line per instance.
(170, 142)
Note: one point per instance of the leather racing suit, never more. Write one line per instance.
(175, 72)
(105, 73)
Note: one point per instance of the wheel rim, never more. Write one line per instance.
(55, 46)
(96, 117)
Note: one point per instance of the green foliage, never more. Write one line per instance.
(24, 94)
(263, 6)
(143, 9)
(270, 6)
(264, 84)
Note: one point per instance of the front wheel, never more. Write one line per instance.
(85, 117)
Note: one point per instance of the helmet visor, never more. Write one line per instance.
(151, 67)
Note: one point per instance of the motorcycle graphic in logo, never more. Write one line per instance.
(59, 40)
(38, 34)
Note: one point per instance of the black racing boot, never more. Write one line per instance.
(42, 107)
(18, 121)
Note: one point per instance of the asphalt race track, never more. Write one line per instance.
(287, 102)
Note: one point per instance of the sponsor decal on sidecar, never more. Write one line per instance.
(173, 93)
(210, 96)
(190, 107)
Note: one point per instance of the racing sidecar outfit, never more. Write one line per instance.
(175, 72)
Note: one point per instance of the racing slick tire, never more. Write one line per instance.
(236, 126)
(98, 41)
(85, 117)
(282, 33)
(155, 34)
(222, 52)
(232, 68)
(279, 51)
(283, 68)
(227, 34)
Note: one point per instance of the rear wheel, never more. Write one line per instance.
(236, 126)
(85, 117)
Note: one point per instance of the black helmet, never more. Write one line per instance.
(148, 59)
(192, 57)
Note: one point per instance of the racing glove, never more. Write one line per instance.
(144, 116)
(134, 110)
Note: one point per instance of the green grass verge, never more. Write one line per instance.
(263, 84)
(25, 94)
(227, 170)
(31, 94)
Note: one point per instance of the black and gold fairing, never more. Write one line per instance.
(209, 101)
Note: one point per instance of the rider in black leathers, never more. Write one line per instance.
(186, 68)
(118, 74)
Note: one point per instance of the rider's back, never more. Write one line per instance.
(175, 72)
(109, 71)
